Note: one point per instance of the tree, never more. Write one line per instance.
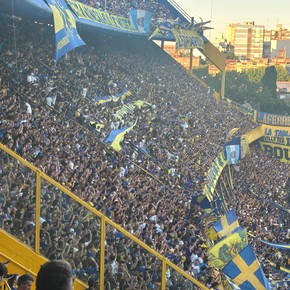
(282, 74)
(241, 89)
(230, 55)
(269, 81)
(255, 74)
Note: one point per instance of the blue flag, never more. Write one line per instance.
(227, 225)
(66, 35)
(140, 19)
(201, 200)
(116, 137)
(245, 271)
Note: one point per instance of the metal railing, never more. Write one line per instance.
(106, 225)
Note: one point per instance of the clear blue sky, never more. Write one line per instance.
(223, 12)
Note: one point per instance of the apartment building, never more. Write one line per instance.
(247, 39)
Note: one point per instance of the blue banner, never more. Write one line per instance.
(66, 35)
(272, 119)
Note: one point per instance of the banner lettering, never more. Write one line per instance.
(89, 13)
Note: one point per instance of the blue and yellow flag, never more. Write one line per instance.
(106, 99)
(277, 246)
(224, 251)
(245, 271)
(227, 225)
(202, 201)
(66, 35)
(231, 133)
(116, 137)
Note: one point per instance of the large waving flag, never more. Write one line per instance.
(66, 35)
(227, 225)
(245, 271)
(233, 150)
(116, 137)
(140, 19)
(225, 250)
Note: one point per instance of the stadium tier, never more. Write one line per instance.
(150, 153)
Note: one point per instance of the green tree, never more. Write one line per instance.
(230, 55)
(268, 81)
(255, 74)
(241, 89)
(282, 74)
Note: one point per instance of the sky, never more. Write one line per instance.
(223, 12)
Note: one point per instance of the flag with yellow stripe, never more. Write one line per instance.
(66, 35)
(223, 252)
(245, 271)
(227, 224)
(116, 137)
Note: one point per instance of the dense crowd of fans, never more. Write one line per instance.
(51, 115)
(123, 8)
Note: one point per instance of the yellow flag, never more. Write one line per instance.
(224, 251)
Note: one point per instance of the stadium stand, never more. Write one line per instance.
(54, 115)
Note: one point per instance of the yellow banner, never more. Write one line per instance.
(224, 251)
(276, 131)
(89, 13)
(213, 175)
(277, 150)
(276, 141)
(186, 39)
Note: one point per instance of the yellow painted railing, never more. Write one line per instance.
(4, 285)
(105, 224)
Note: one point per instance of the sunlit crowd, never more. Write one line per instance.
(52, 114)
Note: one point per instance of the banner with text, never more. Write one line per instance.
(186, 39)
(97, 16)
(272, 119)
(276, 149)
(213, 175)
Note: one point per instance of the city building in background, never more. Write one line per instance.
(277, 43)
(247, 39)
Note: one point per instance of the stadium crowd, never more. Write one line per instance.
(51, 115)
(123, 8)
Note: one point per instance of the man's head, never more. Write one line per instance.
(56, 275)
(3, 271)
(25, 282)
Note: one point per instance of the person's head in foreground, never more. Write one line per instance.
(56, 275)
(25, 282)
